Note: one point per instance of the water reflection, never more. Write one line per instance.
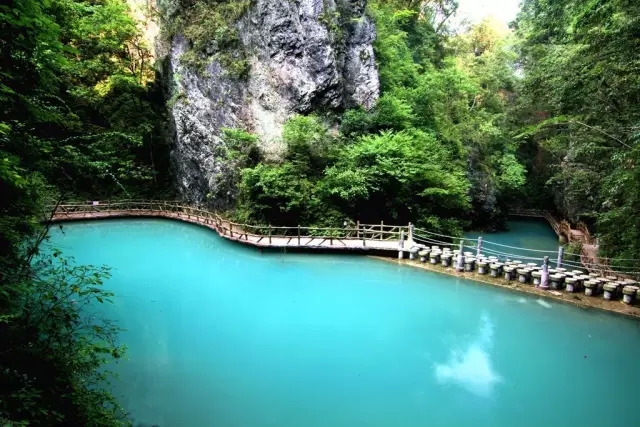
(543, 303)
(471, 369)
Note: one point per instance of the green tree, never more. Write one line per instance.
(239, 151)
(278, 195)
(578, 110)
(398, 177)
(309, 146)
(459, 88)
(78, 103)
(78, 115)
(54, 349)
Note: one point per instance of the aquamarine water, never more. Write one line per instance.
(529, 233)
(222, 335)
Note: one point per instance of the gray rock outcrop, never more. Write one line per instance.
(304, 56)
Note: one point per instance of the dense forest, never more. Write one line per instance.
(471, 122)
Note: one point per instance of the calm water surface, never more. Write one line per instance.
(222, 335)
(530, 233)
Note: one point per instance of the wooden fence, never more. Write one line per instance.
(237, 231)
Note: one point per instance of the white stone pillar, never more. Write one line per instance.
(560, 257)
(544, 279)
(460, 263)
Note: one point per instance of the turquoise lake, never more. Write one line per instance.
(223, 335)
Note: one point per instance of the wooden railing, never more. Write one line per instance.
(379, 235)
(561, 227)
(229, 228)
(588, 238)
(528, 212)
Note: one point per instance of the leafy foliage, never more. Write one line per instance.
(400, 176)
(240, 151)
(578, 112)
(460, 88)
(308, 144)
(82, 112)
(54, 348)
(277, 194)
(435, 145)
(79, 113)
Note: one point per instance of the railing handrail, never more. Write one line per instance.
(366, 231)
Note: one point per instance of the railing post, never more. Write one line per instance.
(381, 229)
(560, 256)
(358, 229)
(544, 277)
(230, 229)
(401, 246)
(269, 233)
(479, 248)
(460, 264)
(410, 239)
(298, 234)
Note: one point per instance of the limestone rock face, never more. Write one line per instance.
(304, 55)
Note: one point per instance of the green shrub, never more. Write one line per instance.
(401, 177)
(277, 194)
(309, 145)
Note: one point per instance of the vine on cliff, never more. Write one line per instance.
(210, 28)
(332, 19)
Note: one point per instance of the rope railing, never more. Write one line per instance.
(494, 249)
(419, 239)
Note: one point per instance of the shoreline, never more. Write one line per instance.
(576, 299)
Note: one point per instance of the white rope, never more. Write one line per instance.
(443, 235)
(493, 251)
(489, 242)
(428, 240)
(614, 259)
(596, 266)
(518, 248)
(509, 255)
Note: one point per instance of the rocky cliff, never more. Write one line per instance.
(302, 55)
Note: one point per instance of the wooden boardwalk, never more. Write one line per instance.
(561, 227)
(357, 238)
(379, 239)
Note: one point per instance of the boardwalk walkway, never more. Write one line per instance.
(358, 237)
(388, 240)
(561, 227)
